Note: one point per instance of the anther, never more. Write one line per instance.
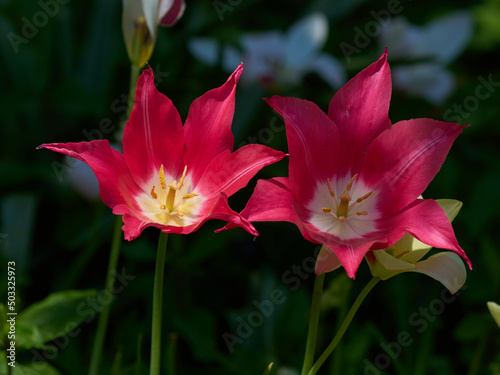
(330, 188)
(326, 210)
(189, 196)
(361, 213)
(361, 199)
(153, 194)
(162, 207)
(181, 181)
(162, 178)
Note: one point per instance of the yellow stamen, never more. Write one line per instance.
(153, 194)
(345, 198)
(162, 178)
(330, 188)
(326, 210)
(162, 207)
(361, 213)
(180, 213)
(349, 185)
(361, 199)
(189, 196)
(181, 182)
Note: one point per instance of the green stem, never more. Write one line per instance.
(477, 360)
(134, 76)
(344, 325)
(157, 305)
(172, 350)
(102, 323)
(312, 331)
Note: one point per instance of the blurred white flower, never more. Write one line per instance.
(277, 58)
(140, 21)
(433, 47)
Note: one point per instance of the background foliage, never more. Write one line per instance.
(69, 83)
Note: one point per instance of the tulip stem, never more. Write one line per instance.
(157, 305)
(344, 325)
(134, 76)
(102, 322)
(312, 331)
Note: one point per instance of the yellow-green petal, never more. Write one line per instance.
(495, 311)
(445, 267)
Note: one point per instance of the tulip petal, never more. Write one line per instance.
(326, 261)
(445, 267)
(170, 11)
(208, 126)
(391, 263)
(360, 111)
(221, 210)
(404, 159)
(427, 221)
(271, 200)
(153, 135)
(116, 185)
(229, 172)
(350, 256)
(451, 207)
(495, 311)
(313, 143)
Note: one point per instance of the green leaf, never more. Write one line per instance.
(55, 316)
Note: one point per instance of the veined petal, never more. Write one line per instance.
(404, 159)
(360, 111)
(170, 11)
(208, 126)
(427, 221)
(153, 135)
(271, 200)
(451, 207)
(229, 172)
(313, 143)
(221, 210)
(116, 186)
(445, 267)
(326, 261)
(350, 256)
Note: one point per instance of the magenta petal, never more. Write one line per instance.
(116, 186)
(208, 126)
(154, 134)
(313, 144)
(404, 159)
(168, 17)
(350, 256)
(425, 220)
(271, 200)
(229, 172)
(221, 210)
(360, 111)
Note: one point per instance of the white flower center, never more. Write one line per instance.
(341, 215)
(173, 204)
